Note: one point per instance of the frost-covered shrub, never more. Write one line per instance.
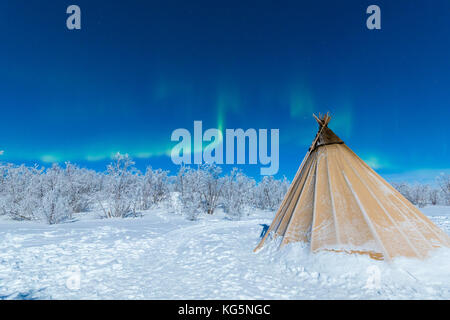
(444, 183)
(21, 192)
(199, 189)
(32, 193)
(403, 188)
(269, 192)
(153, 188)
(433, 196)
(187, 189)
(420, 195)
(65, 191)
(236, 193)
(417, 194)
(120, 188)
(82, 185)
(54, 196)
(210, 186)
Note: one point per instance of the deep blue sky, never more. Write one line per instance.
(140, 69)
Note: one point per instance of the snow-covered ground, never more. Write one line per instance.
(162, 255)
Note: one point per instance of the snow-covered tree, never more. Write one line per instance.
(417, 194)
(444, 183)
(269, 192)
(198, 189)
(210, 186)
(21, 192)
(54, 202)
(420, 195)
(120, 195)
(187, 189)
(433, 196)
(236, 193)
(153, 188)
(82, 185)
(404, 189)
(32, 193)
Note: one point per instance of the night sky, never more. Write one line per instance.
(137, 70)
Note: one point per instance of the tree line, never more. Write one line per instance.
(55, 194)
(422, 195)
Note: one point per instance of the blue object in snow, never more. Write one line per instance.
(264, 230)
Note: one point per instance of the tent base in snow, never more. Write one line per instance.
(336, 202)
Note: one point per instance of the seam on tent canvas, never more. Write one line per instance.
(298, 201)
(308, 154)
(426, 223)
(279, 215)
(400, 210)
(293, 196)
(339, 167)
(366, 217)
(400, 199)
(387, 214)
(314, 204)
(333, 208)
(408, 220)
(293, 199)
(292, 189)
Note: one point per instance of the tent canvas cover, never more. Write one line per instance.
(336, 202)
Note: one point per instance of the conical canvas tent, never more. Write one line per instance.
(337, 202)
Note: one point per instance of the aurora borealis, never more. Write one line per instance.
(137, 70)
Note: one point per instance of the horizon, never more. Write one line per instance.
(424, 177)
